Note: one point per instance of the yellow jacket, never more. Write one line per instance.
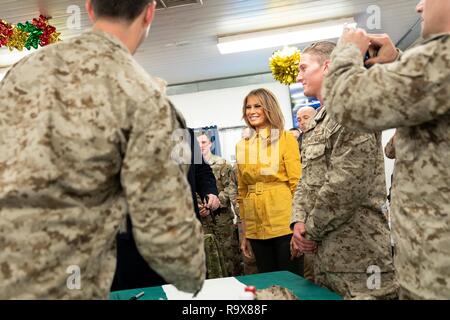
(268, 173)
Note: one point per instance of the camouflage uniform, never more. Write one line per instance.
(413, 95)
(221, 222)
(79, 123)
(339, 197)
(215, 264)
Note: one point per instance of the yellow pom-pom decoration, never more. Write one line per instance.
(284, 65)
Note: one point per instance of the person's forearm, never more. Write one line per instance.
(383, 97)
(299, 202)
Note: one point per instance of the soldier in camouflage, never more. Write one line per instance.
(337, 208)
(220, 223)
(79, 123)
(410, 92)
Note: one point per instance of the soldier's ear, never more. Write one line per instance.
(90, 11)
(150, 13)
(326, 66)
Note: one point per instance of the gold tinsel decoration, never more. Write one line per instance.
(284, 65)
(17, 40)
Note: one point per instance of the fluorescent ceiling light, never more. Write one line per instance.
(283, 36)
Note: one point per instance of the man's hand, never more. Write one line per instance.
(358, 37)
(304, 245)
(204, 212)
(213, 202)
(387, 52)
(295, 250)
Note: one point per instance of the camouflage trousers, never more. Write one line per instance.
(215, 265)
(354, 286)
(226, 234)
(308, 268)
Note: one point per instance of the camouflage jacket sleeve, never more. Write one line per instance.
(299, 204)
(407, 92)
(346, 182)
(167, 233)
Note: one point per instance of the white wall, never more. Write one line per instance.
(223, 108)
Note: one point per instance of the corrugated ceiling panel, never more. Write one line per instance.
(182, 42)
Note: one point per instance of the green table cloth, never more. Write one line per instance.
(302, 288)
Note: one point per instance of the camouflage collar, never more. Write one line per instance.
(321, 114)
(109, 37)
(318, 118)
(212, 160)
(436, 36)
(215, 159)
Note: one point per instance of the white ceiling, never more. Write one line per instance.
(182, 44)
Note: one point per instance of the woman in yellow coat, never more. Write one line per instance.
(268, 172)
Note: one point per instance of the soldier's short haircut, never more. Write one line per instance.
(322, 50)
(203, 133)
(127, 10)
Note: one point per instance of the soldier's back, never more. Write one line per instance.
(65, 116)
(420, 197)
(421, 208)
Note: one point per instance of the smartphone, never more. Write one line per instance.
(370, 54)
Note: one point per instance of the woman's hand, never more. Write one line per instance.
(245, 248)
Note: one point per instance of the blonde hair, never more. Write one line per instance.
(322, 50)
(271, 108)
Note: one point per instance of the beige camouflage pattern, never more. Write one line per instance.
(356, 285)
(85, 138)
(339, 197)
(308, 266)
(221, 223)
(413, 95)
(275, 293)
